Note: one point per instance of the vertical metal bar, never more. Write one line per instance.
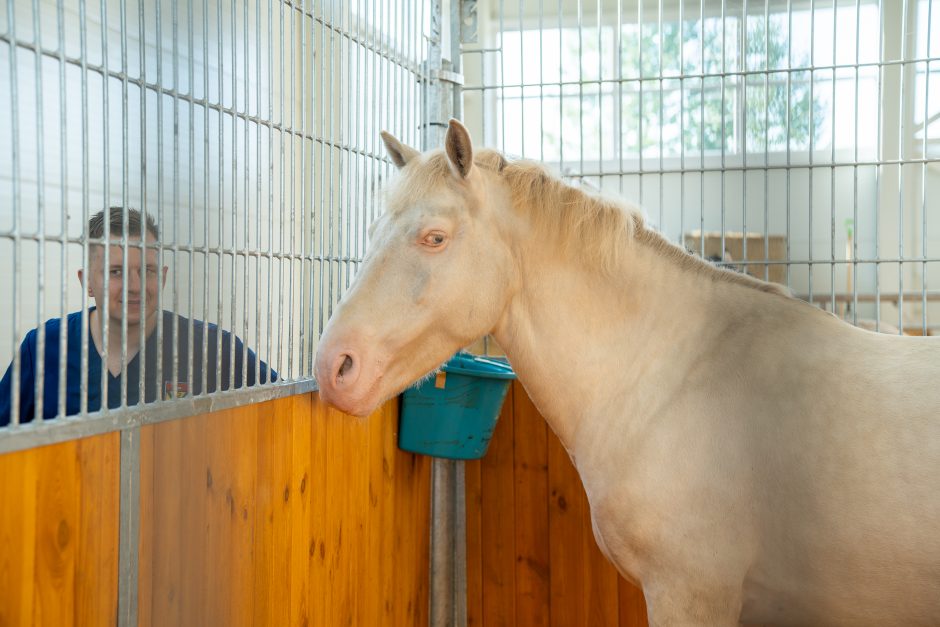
(902, 154)
(662, 122)
(161, 215)
(284, 139)
(701, 128)
(742, 140)
(292, 249)
(64, 215)
(832, 166)
(125, 235)
(542, 81)
(144, 210)
(104, 308)
(17, 242)
(220, 255)
(207, 174)
(246, 178)
(618, 75)
(177, 201)
(271, 92)
(789, 102)
(522, 81)
(682, 77)
(923, 175)
(724, 78)
(191, 248)
(812, 138)
(129, 528)
(257, 229)
(879, 167)
(581, 90)
(83, 55)
(306, 368)
(233, 300)
(41, 230)
(325, 290)
(191, 199)
(767, 138)
(561, 86)
(858, 37)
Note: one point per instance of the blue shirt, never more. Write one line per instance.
(166, 387)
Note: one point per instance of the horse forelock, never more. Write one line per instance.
(593, 228)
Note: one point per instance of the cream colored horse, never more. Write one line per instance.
(747, 457)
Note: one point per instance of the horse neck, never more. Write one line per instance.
(586, 345)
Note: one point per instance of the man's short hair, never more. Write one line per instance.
(136, 223)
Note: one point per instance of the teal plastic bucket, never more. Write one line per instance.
(453, 414)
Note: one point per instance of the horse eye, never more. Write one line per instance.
(434, 239)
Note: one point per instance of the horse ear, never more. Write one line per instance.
(459, 149)
(400, 153)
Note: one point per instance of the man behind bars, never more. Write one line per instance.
(141, 308)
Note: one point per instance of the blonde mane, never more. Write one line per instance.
(573, 217)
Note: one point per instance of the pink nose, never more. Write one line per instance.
(337, 372)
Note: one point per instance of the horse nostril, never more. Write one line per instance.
(345, 366)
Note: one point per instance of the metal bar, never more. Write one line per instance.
(16, 210)
(41, 230)
(220, 319)
(129, 528)
(103, 309)
(83, 47)
(52, 432)
(233, 298)
(63, 216)
(923, 173)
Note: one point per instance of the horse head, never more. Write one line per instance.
(437, 276)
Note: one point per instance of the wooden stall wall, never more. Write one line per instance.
(58, 534)
(280, 513)
(531, 556)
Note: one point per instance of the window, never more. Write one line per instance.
(693, 85)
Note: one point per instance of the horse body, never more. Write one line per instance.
(745, 455)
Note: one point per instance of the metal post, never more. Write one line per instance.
(448, 576)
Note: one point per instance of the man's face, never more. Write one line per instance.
(154, 279)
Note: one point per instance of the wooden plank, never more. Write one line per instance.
(57, 521)
(474, 501)
(378, 577)
(197, 487)
(145, 554)
(530, 474)
(232, 450)
(600, 578)
(96, 575)
(411, 482)
(498, 524)
(272, 502)
(632, 605)
(302, 547)
(340, 517)
(320, 508)
(165, 531)
(566, 548)
(19, 477)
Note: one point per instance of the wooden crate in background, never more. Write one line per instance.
(776, 250)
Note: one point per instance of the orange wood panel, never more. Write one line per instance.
(498, 525)
(284, 513)
(59, 534)
(530, 473)
(474, 539)
(302, 543)
(632, 605)
(566, 552)
(601, 604)
(531, 554)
